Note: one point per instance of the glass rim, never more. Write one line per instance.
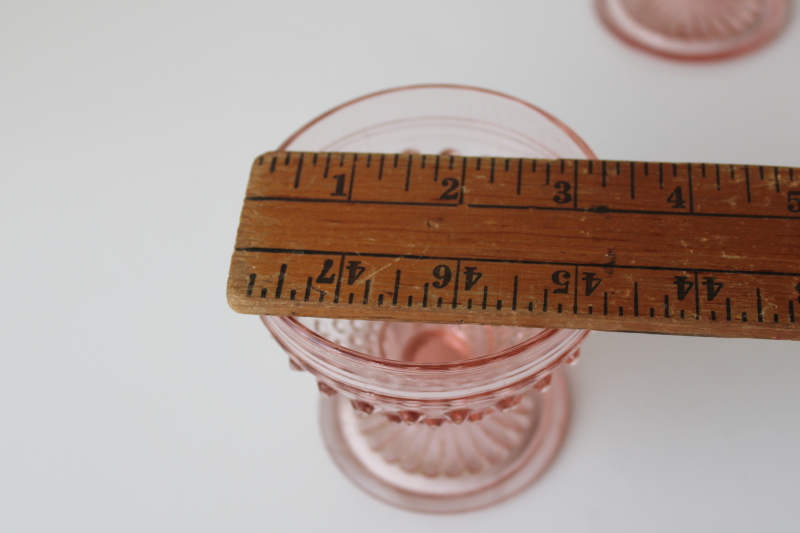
(566, 129)
(541, 337)
(546, 334)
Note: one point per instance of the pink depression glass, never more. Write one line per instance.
(695, 29)
(434, 417)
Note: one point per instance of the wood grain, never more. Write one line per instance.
(691, 249)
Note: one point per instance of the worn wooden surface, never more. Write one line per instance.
(691, 249)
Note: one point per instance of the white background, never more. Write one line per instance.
(133, 399)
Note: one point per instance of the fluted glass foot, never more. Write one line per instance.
(451, 467)
(695, 29)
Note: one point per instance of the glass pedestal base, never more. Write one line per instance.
(451, 467)
(695, 29)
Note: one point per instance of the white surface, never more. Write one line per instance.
(133, 399)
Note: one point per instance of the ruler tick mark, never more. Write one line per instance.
(633, 186)
(777, 180)
(728, 309)
(339, 280)
(272, 164)
(308, 288)
(455, 289)
(575, 184)
(758, 305)
(499, 305)
(352, 179)
(491, 173)
(408, 172)
(575, 292)
(327, 165)
(604, 173)
(559, 308)
(396, 287)
(299, 169)
(514, 300)
(380, 170)
(288, 159)
(485, 295)
(463, 182)
(264, 292)
(747, 181)
(250, 285)
(366, 291)
(281, 277)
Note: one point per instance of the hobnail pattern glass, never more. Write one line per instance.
(695, 29)
(433, 417)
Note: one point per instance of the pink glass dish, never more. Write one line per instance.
(433, 417)
(695, 29)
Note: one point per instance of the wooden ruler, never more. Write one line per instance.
(692, 249)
